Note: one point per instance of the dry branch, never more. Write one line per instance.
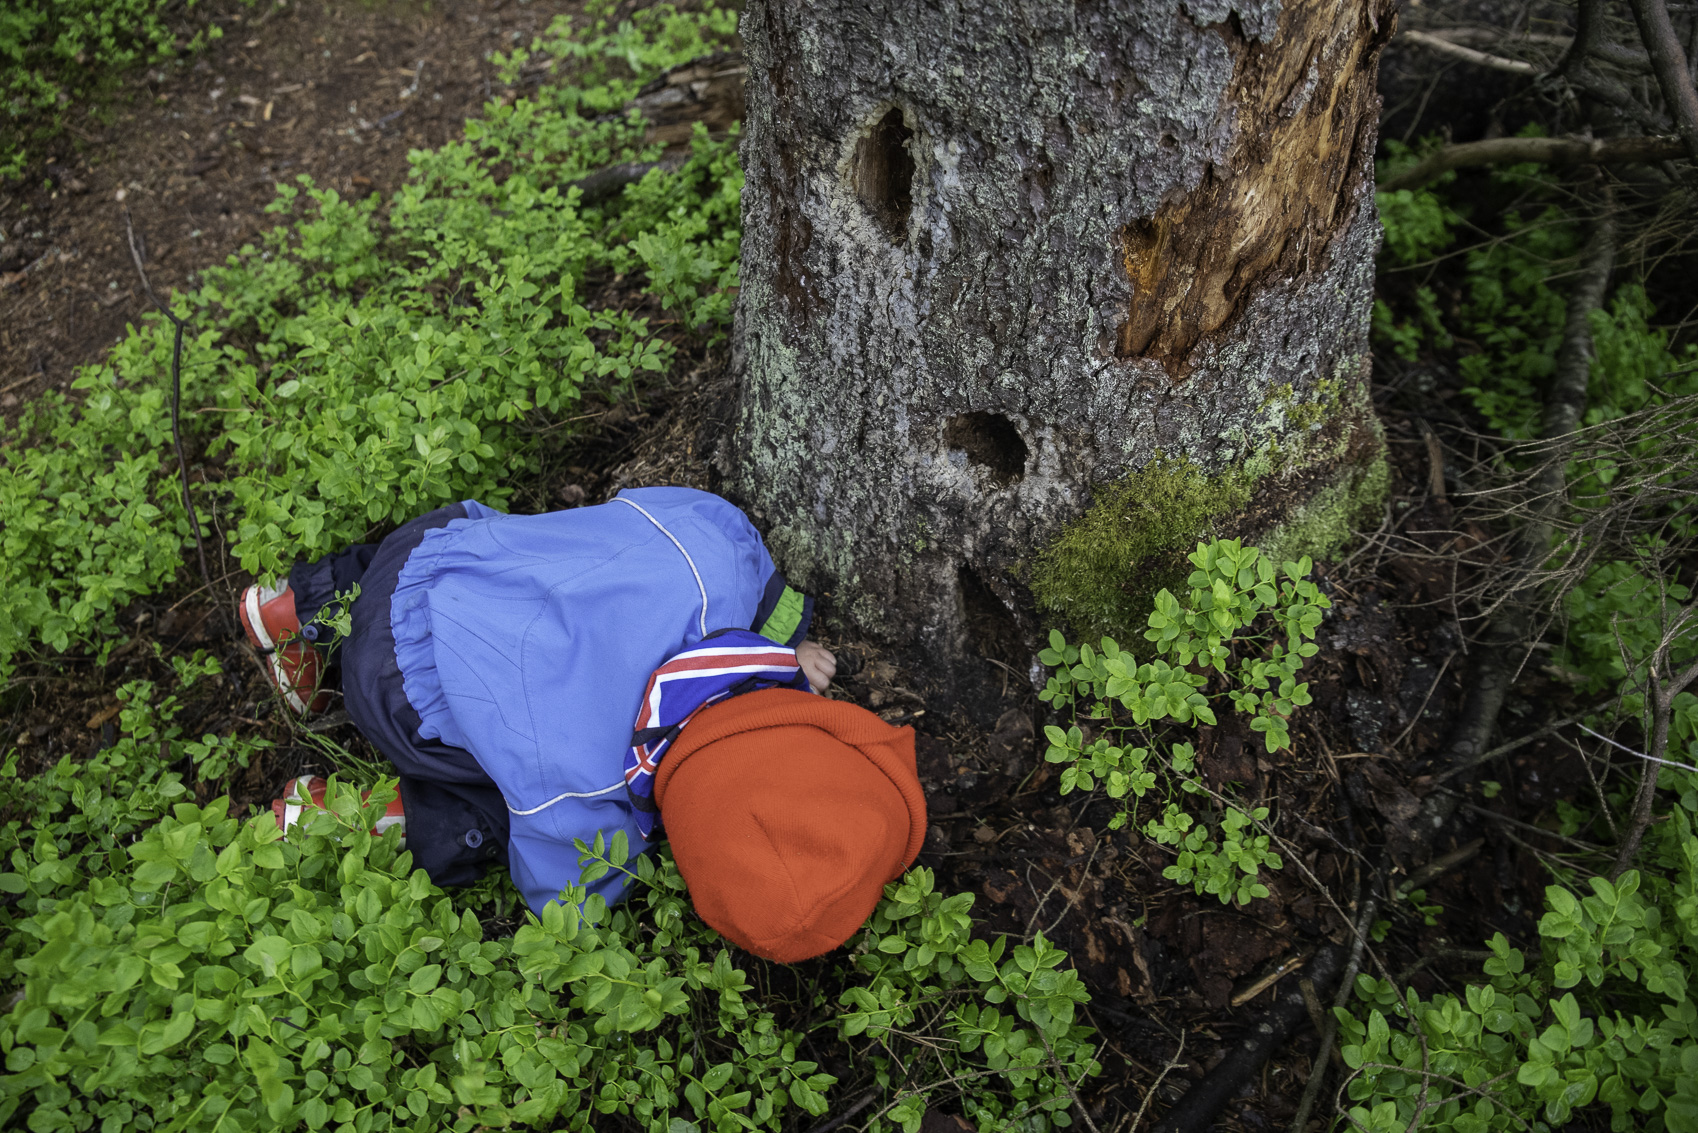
(1468, 54)
(1589, 43)
(1549, 151)
(1662, 693)
(1329, 1034)
(1512, 630)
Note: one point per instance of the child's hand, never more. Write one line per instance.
(818, 662)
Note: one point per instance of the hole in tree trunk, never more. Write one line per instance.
(990, 623)
(991, 441)
(884, 174)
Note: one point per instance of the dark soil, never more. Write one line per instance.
(335, 90)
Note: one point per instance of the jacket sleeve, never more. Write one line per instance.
(784, 614)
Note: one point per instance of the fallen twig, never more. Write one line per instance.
(1203, 1101)
(1318, 1071)
(1490, 754)
(1172, 1064)
(1426, 700)
(861, 1103)
(1293, 964)
(1438, 867)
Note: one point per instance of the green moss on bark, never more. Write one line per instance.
(1100, 575)
(1330, 518)
(1090, 574)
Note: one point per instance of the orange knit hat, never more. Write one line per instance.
(787, 813)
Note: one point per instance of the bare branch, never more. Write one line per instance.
(1468, 54)
(1549, 151)
(1341, 998)
(1172, 1064)
(1662, 694)
(1588, 33)
(1668, 63)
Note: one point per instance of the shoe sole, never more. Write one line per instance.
(251, 620)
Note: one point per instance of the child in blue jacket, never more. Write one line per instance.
(525, 674)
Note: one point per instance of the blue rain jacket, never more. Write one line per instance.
(527, 640)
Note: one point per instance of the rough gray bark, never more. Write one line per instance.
(997, 254)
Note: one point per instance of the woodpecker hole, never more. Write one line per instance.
(884, 174)
(991, 441)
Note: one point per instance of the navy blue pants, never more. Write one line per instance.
(456, 816)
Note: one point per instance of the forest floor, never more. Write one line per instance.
(342, 92)
(339, 90)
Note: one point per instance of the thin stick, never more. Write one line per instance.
(176, 396)
(1346, 985)
(1172, 1064)
(861, 1103)
(1468, 54)
(1662, 709)
(1504, 749)
(1637, 754)
(1416, 719)
(1061, 1073)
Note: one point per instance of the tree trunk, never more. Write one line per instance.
(1034, 294)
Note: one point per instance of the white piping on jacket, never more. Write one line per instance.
(681, 551)
(566, 795)
(703, 622)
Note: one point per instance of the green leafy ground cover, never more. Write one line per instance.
(183, 967)
(370, 360)
(1599, 1020)
(1243, 629)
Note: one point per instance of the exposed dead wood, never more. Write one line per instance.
(609, 182)
(1303, 104)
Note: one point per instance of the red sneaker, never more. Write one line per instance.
(268, 615)
(309, 790)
